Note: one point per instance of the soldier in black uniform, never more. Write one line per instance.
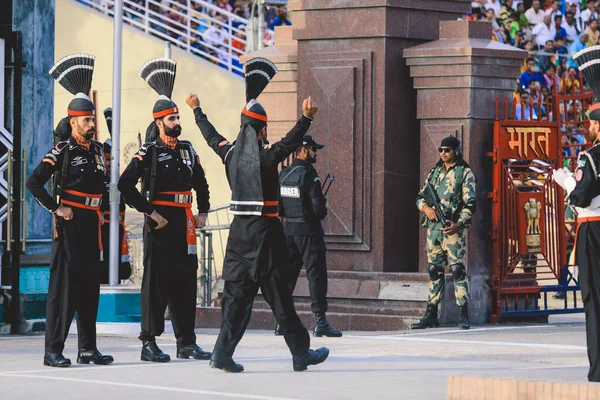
(77, 246)
(124, 265)
(256, 255)
(584, 194)
(303, 208)
(172, 169)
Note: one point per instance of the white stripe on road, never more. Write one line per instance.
(150, 387)
(409, 338)
(503, 328)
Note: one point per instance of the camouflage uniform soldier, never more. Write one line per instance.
(454, 184)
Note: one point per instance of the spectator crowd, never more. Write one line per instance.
(212, 29)
(551, 31)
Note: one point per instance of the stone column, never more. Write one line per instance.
(457, 79)
(350, 61)
(35, 19)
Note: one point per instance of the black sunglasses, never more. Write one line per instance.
(445, 149)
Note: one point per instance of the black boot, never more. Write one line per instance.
(323, 328)
(151, 352)
(192, 351)
(463, 317)
(278, 331)
(313, 357)
(430, 320)
(87, 356)
(225, 363)
(56, 360)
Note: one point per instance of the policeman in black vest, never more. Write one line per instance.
(303, 206)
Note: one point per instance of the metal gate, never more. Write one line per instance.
(531, 235)
(12, 179)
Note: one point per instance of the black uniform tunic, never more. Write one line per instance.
(124, 265)
(256, 255)
(75, 264)
(305, 238)
(587, 250)
(169, 271)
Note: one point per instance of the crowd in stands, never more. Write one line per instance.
(216, 34)
(551, 31)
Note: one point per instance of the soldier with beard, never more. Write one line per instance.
(303, 207)
(77, 247)
(170, 260)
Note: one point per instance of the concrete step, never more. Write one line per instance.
(210, 317)
(402, 309)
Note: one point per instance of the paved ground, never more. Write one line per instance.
(362, 365)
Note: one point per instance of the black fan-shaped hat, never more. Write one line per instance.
(159, 74)
(258, 72)
(108, 118)
(588, 60)
(74, 73)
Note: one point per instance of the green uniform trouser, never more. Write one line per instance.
(450, 249)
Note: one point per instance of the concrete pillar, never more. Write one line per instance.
(457, 79)
(35, 19)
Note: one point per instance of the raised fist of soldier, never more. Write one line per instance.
(309, 108)
(192, 101)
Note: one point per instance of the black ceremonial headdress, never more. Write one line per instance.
(258, 73)
(159, 74)
(246, 187)
(588, 60)
(108, 142)
(74, 73)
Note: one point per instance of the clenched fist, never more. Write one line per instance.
(309, 108)
(192, 101)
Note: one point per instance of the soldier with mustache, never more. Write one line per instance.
(77, 245)
(172, 169)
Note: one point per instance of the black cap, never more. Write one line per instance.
(309, 141)
(451, 142)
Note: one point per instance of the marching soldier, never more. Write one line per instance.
(256, 255)
(454, 184)
(77, 246)
(583, 190)
(303, 207)
(172, 169)
(124, 265)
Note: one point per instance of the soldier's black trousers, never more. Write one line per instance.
(169, 279)
(588, 246)
(177, 289)
(238, 297)
(69, 292)
(310, 252)
(74, 281)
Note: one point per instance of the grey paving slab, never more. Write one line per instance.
(362, 365)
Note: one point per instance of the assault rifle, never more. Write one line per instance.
(431, 198)
(328, 181)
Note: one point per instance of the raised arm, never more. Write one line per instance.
(215, 141)
(282, 149)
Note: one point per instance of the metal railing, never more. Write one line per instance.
(198, 27)
(218, 224)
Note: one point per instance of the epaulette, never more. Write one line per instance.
(52, 156)
(60, 146)
(144, 148)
